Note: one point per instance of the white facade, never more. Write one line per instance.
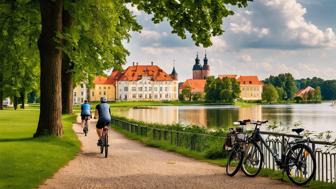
(80, 93)
(7, 102)
(146, 89)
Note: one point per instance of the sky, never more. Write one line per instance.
(266, 38)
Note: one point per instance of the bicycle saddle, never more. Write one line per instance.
(298, 130)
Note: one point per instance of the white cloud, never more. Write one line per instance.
(277, 24)
(134, 10)
(150, 34)
(158, 50)
(245, 58)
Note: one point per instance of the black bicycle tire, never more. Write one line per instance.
(313, 159)
(260, 166)
(102, 146)
(239, 163)
(106, 145)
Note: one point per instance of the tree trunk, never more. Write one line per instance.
(51, 64)
(1, 91)
(67, 69)
(67, 86)
(1, 99)
(22, 98)
(15, 102)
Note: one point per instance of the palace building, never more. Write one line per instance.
(145, 83)
(136, 83)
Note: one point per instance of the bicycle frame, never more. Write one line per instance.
(280, 161)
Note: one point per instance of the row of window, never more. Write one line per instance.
(149, 96)
(146, 89)
(103, 87)
(147, 82)
(250, 88)
(75, 94)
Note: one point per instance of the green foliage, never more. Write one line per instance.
(221, 90)
(270, 93)
(202, 19)
(186, 94)
(19, 30)
(285, 84)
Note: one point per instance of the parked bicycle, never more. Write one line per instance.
(297, 159)
(104, 142)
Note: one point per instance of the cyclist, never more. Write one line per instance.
(104, 119)
(85, 112)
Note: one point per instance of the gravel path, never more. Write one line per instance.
(133, 165)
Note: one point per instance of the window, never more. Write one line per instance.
(160, 95)
(166, 95)
(155, 96)
(74, 93)
(104, 87)
(99, 87)
(108, 87)
(125, 88)
(99, 92)
(155, 89)
(134, 96)
(166, 88)
(133, 88)
(150, 88)
(160, 88)
(104, 93)
(145, 88)
(145, 95)
(140, 88)
(92, 93)
(82, 86)
(140, 95)
(82, 93)
(150, 96)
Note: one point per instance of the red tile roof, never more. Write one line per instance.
(249, 80)
(304, 91)
(134, 73)
(227, 76)
(197, 85)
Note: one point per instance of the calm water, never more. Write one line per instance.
(314, 117)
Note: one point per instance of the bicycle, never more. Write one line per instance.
(295, 158)
(86, 126)
(235, 141)
(104, 142)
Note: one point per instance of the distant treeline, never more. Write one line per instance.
(285, 86)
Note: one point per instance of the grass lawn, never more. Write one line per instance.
(25, 162)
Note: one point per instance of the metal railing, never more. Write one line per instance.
(198, 142)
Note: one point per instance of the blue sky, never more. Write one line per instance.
(266, 38)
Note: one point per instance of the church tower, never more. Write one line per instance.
(197, 69)
(206, 68)
(174, 74)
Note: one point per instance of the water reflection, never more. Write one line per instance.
(316, 117)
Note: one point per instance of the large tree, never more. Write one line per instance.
(19, 26)
(84, 43)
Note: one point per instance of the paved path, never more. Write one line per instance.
(133, 165)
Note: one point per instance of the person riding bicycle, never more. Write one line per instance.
(104, 119)
(85, 112)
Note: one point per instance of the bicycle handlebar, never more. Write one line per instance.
(259, 122)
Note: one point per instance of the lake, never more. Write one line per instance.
(314, 117)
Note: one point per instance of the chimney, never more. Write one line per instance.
(152, 63)
(133, 63)
(137, 63)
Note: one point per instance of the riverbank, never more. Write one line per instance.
(25, 162)
(202, 144)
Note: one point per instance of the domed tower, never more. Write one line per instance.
(206, 68)
(174, 74)
(197, 69)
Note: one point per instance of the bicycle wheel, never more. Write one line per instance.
(106, 145)
(102, 145)
(253, 160)
(301, 164)
(86, 129)
(234, 162)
